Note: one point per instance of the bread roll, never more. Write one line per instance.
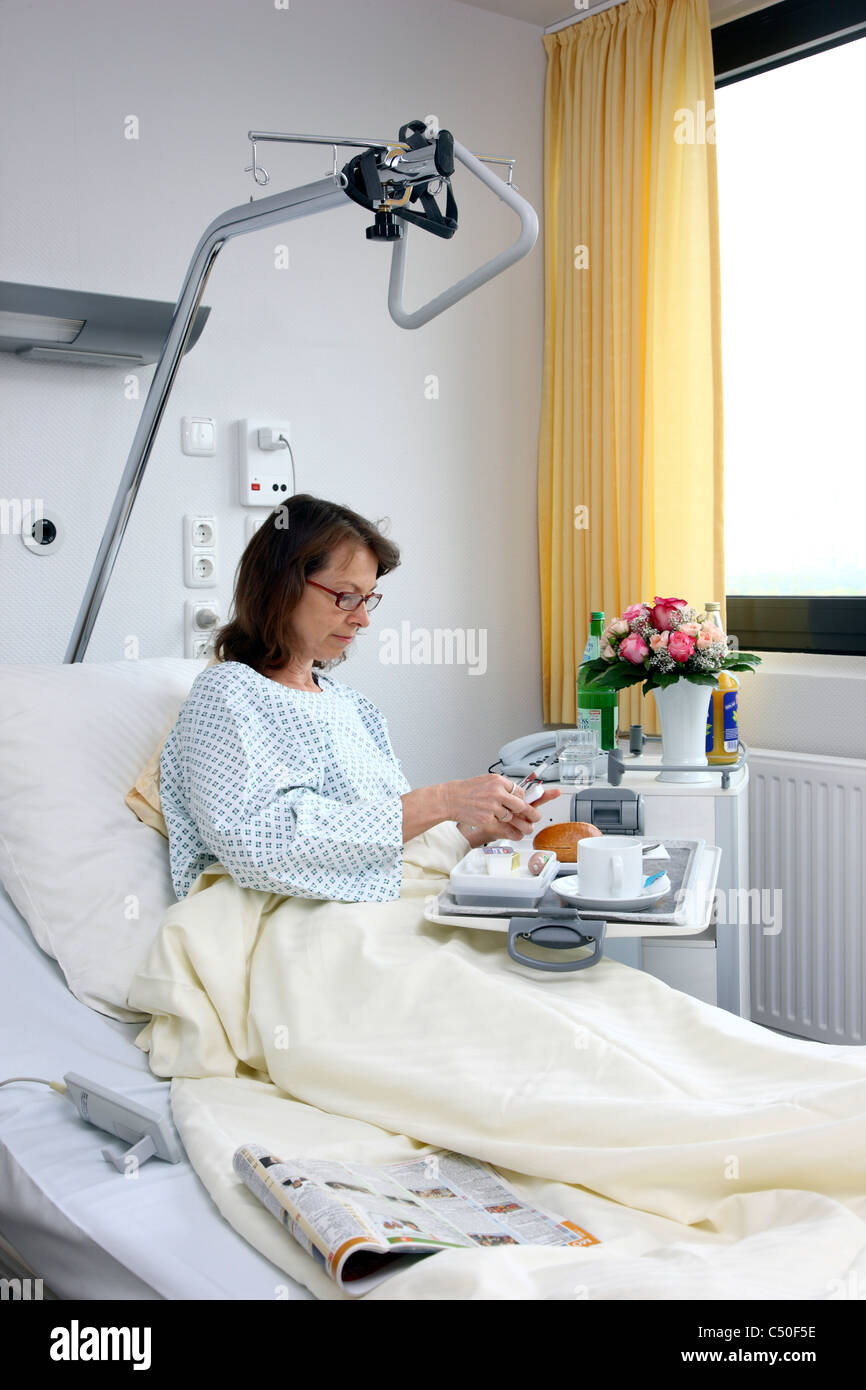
(563, 838)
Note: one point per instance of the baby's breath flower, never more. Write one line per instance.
(662, 661)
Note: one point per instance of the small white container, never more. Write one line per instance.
(499, 860)
(473, 886)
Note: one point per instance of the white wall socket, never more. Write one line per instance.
(199, 552)
(200, 620)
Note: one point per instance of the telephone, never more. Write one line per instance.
(522, 755)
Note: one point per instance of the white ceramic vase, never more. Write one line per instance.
(682, 709)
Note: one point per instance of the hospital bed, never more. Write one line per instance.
(73, 740)
(67, 1215)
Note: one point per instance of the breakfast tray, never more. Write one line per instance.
(692, 867)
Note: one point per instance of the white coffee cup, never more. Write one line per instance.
(609, 867)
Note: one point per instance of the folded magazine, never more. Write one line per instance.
(363, 1224)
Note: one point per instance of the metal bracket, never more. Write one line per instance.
(616, 767)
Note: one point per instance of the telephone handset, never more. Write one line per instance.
(522, 755)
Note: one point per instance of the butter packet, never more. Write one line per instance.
(501, 859)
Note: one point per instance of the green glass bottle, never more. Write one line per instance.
(597, 709)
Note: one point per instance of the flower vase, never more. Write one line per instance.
(682, 710)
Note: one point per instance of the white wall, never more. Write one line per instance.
(85, 208)
(801, 703)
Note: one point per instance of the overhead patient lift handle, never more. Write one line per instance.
(519, 248)
(399, 168)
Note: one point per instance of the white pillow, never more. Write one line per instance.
(91, 881)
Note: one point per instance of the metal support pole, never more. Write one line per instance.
(280, 207)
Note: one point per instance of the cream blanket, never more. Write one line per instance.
(713, 1158)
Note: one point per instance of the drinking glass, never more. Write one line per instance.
(578, 751)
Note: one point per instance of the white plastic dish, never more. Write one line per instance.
(473, 886)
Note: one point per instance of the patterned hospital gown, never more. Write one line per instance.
(291, 791)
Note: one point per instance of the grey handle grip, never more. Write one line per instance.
(518, 249)
(559, 936)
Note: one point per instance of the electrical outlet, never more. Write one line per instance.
(203, 532)
(200, 620)
(199, 552)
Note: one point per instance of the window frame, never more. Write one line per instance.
(783, 33)
(787, 32)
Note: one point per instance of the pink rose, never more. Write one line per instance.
(681, 646)
(635, 610)
(690, 629)
(633, 648)
(660, 616)
(608, 652)
(708, 634)
(659, 641)
(619, 626)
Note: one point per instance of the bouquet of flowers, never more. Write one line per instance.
(660, 643)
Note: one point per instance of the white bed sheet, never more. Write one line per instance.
(85, 1229)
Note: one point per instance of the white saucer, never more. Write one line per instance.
(568, 888)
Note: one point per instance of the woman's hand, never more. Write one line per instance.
(493, 807)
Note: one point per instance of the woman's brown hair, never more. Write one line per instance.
(293, 543)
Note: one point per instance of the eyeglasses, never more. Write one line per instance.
(349, 601)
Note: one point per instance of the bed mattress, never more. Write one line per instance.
(85, 1229)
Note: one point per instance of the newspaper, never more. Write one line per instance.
(362, 1224)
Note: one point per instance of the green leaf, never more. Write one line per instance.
(662, 679)
(611, 677)
(619, 680)
(632, 677)
(702, 678)
(587, 670)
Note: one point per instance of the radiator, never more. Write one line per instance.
(808, 863)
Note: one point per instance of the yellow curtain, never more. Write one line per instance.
(630, 500)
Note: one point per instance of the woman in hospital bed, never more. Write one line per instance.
(285, 775)
(323, 1014)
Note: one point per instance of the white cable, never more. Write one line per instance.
(292, 457)
(55, 1085)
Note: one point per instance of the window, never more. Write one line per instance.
(792, 209)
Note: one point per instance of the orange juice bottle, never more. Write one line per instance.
(723, 713)
(723, 726)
